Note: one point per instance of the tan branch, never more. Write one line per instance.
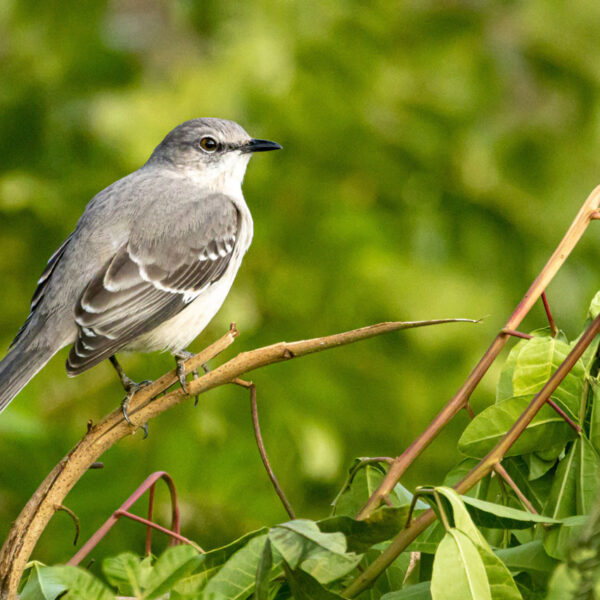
(144, 406)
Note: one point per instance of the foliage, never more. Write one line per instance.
(432, 154)
(483, 546)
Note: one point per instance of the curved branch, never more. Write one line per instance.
(144, 406)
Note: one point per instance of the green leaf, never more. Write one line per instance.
(81, 584)
(420, 591)
(295, 539)
(172, 565)
(595, 415)
(587, 481)
(558, 540)
(563, 584)
(381, 525)
(504, 388)
(263, 571)
(530, 557)
(502, 585)
(459, 514)
(429, 540)
(489, 427)
(127, 572)
(498, 516)
(538, 467)
(460, 470)
(323, 555)
(306, 587)
(594, 309)
(236, 579)
(551, 453)
(537, 361)
(563, 495)
(458, 570)
(213, 561)
(393, 578)
(363, 479)
(43, 583)
(536, 491)
(402, 496)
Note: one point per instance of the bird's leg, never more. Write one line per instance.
(180, 358)
(131, 387)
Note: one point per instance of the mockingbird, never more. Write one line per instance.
(150, 261)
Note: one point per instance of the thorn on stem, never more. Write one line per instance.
(96, 465)
(90, 425)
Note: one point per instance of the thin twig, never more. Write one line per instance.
(564, 416)
(503, 473)
(469, 410)
(75, 520)
(515, 333)
(456, 403)
(261, 446)
(553, 327)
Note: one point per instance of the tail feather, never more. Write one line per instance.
(18, 367)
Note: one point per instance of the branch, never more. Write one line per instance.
(586, 214)
(144, 406)
(261, 447)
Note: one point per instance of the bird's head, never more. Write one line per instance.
(215, 152)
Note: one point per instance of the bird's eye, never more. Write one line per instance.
(208, 144)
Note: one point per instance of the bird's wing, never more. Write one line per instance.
(153, 276)
(41, 285)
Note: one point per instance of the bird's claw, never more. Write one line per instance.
(180, 359)
(132, 388)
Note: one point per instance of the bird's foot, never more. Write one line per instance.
(180, 359)
(131, 387)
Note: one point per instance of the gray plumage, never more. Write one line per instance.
(150, 261)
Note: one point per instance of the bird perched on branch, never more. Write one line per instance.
(150, 261)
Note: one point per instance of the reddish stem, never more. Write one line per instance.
(515, 333)
(123, 511)
(553, 328)
(564, 415)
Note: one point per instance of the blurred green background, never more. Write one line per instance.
(435, 152)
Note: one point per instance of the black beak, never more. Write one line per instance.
(260, 146)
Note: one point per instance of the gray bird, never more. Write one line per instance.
(150, 261)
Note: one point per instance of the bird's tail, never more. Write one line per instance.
(18, 367)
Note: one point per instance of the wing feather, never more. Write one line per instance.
(142, 286)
